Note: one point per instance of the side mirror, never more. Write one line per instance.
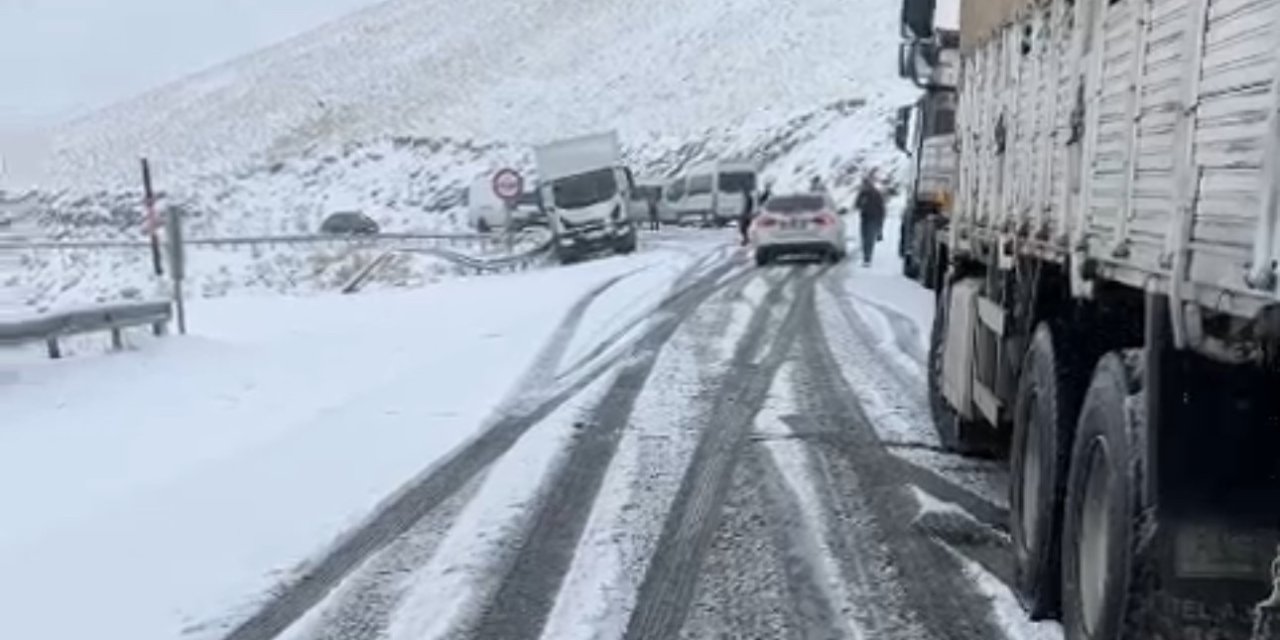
(901, 125)
(905, 61)
(917, 18)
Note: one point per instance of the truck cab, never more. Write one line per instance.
(586, 191)
(929, 57)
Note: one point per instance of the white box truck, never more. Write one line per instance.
(586, 191)
(1108, 309)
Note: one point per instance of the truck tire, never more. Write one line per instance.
(965, 437)
(1045, 411)
(1108, 571)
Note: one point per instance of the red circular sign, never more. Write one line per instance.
(508, 184)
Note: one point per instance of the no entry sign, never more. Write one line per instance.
(508, 184)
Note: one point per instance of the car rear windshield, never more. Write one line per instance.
(795, 204)
(737, 182)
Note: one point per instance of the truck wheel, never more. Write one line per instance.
(1044, 419)
(1107, 565)
(966, 437)
(909, 268)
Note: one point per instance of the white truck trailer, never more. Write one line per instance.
(586, 191)
(1108, 313)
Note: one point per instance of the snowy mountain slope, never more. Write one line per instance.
(394, 110)
(404, 183)
(517, 71)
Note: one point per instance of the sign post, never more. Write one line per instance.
(153, 223)
(508, 184)
(177, 265)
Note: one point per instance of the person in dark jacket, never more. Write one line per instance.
(744, 218)
(655, 223)
(870, 205)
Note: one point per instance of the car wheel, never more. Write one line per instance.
(763, 258)
(1108, 566)
(1045, 410)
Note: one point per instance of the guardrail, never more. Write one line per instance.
(51, 327)
(249, 241)
(520, 260)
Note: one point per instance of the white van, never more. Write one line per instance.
(697, 206)
(732, 180)
(712, 193)
(670, 212)
(485, 210)
(646, 189)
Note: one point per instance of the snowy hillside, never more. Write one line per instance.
(389, 113)
(515, 71)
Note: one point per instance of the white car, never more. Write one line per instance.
(805, 224)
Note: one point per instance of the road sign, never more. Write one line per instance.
(508, 184)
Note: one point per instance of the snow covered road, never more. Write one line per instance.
(719, 475)
(674, 444)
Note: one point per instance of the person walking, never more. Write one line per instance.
(870, 206)
(744, 217)
(655, 223)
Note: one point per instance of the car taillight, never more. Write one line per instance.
(767, 221)
(824, 220)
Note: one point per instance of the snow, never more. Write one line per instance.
(793, 464)
(361, 115)
(985, 479)
(179, 482)
(1007, 612)
(883, 285)
(939, 515)
(890, 397)
(622, 532)
(443, 594)
(498, 69)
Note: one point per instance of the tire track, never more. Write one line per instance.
(906, 335)
(901, 390)
(669, 583)
(671, 303)
(851, 455)
(816, 614)
(544, 366)
(522, 602)
(427, 492)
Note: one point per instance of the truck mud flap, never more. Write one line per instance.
(958, 353)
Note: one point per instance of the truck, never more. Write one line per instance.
(929, 57)
(1108, 310)
(586, 191)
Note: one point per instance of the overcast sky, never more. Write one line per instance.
(60, 58)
